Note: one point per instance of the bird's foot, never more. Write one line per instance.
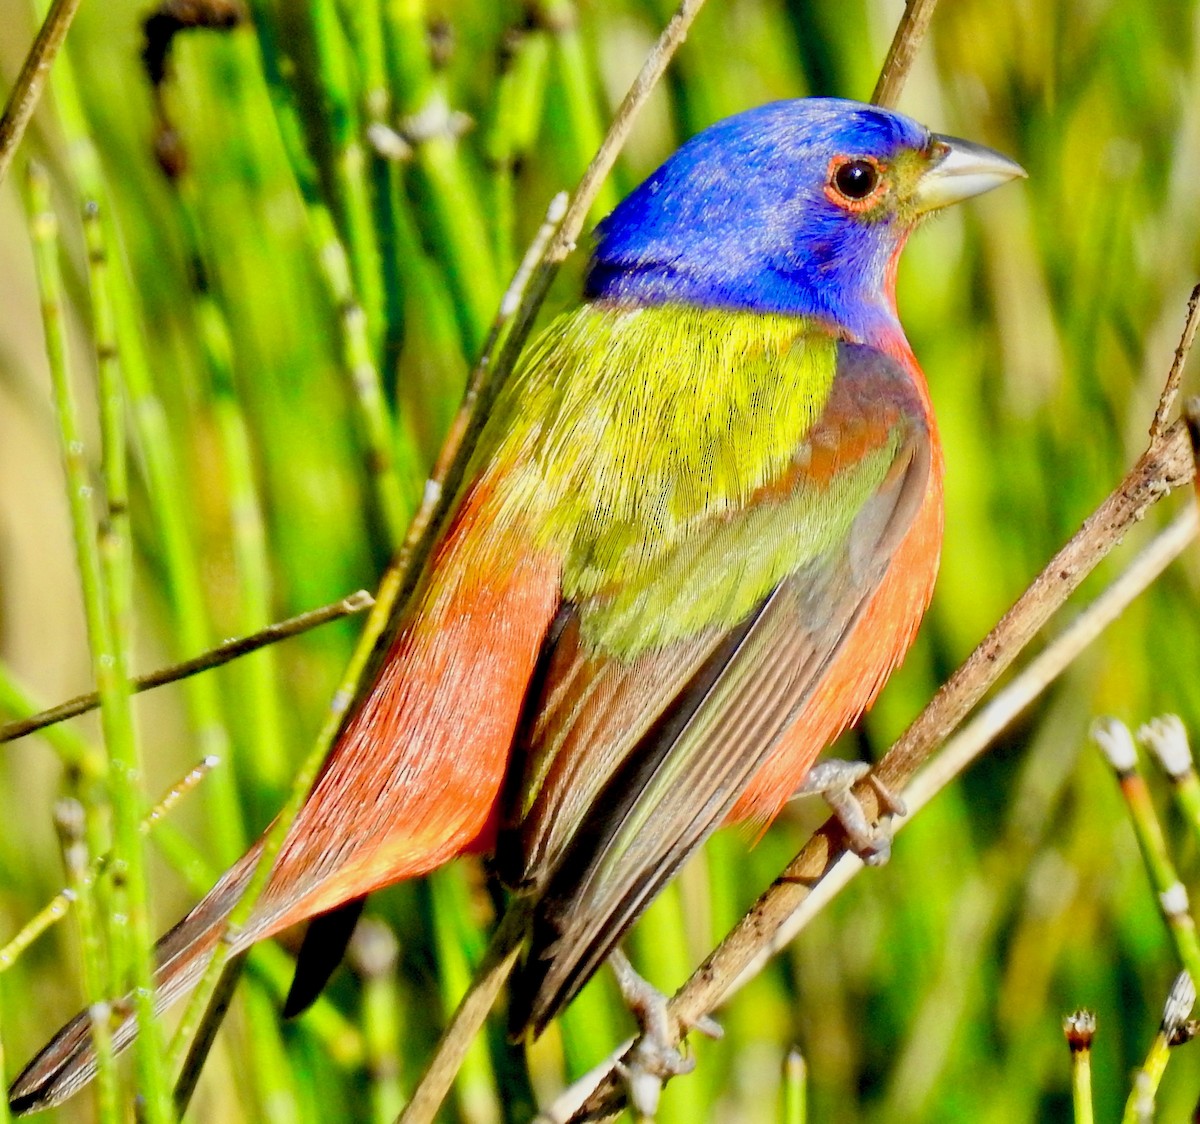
(654, 1059)
(835, 781)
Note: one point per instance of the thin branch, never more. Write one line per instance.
(956, 754)
(910, 33)
(993, 719)
(1165, 465)
(202, 1042)
(214, 657)
(25, 94)
(1171, 388)
(469, 1016)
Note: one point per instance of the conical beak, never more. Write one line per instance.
(960, 169)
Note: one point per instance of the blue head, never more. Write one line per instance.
(798, 207)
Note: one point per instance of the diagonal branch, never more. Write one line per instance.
(1165, 465)
(27, 91)
(214, 657)
(910, 34)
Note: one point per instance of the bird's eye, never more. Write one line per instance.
(856, 179)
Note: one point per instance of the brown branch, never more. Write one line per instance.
(910, 33)
(1165, 465)
(214, 657)
(969, 743)
(25, 94)
(1171, 388)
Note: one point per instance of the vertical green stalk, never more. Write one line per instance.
(795, 1088)
(516, 119)
(662, 952)
(268, 760)
(166, 487)
(585, 125)
(396, 503)
(106, 580)
(375, 953)
(1116, 742)
(364, 29)
(71, 820)
(5, 1115)
(349, 163)
(394, 489)
(1080, 1031)
(113, 675)
(450, 211)
(1167, 739)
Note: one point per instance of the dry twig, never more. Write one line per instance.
(910, 34)
(27, 91)
(1165, 465)
(214, 657)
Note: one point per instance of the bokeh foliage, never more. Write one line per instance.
(267, 480)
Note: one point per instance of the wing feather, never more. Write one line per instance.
(706, 711)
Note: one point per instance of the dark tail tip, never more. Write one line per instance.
(65, 1065)
(321, 952)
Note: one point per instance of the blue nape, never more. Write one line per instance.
(738, 218)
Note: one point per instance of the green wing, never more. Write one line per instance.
(636, 750)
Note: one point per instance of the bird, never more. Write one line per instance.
(697, 534)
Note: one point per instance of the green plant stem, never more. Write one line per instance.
(112, 676)
(516, 118)
(165, 483)
(395, 502)
(1167, 739)
(375, 953)
(1117, 743)
(71, 821)
(1080, 1031)
(105, 575)
(459, 950)
(451, 214)
(795, 1088)
(1180, 1001)
(393, 489)
(349, 164)
(585, 125)
(1081, 1087)
(5, 1115)
(266, 759)
(84, 879)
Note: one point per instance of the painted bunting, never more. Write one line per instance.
(699, 531)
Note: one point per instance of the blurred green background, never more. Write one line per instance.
(1045, 317)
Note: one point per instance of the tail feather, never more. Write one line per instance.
(68, 1062)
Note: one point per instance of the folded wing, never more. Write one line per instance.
(632, 763)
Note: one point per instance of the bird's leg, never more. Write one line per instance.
(835, 781)
(653, 1060)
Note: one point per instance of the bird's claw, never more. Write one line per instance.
(654, 1058)
(835, 781)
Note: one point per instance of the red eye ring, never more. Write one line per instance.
(854, 183)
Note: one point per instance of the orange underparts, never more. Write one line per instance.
(878, 641)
